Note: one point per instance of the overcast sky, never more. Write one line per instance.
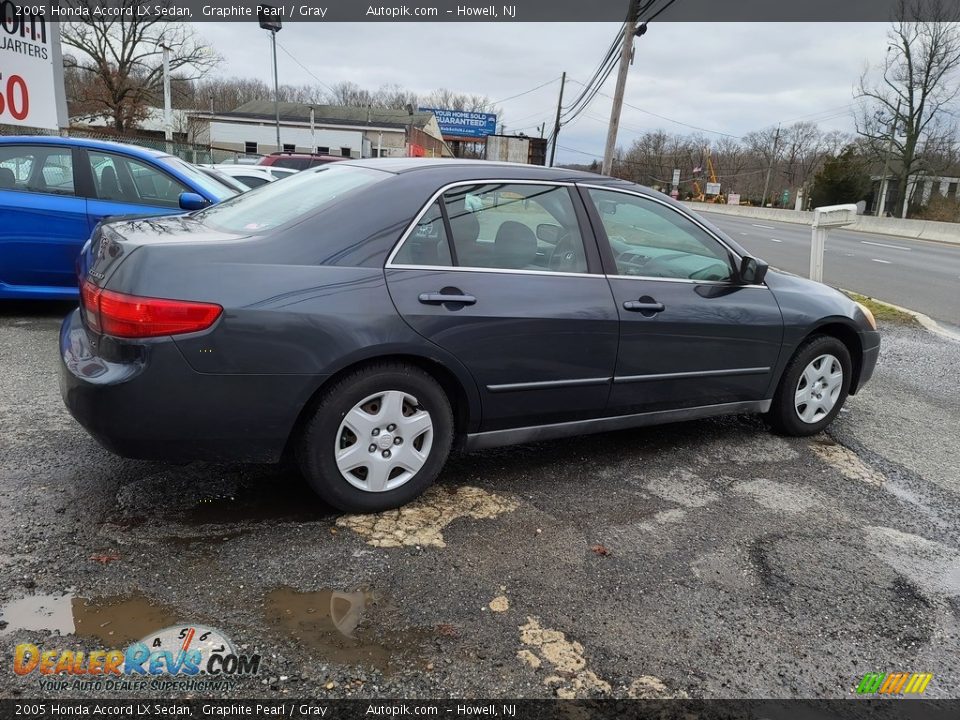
(731, 78)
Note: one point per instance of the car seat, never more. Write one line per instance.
(515, 247)
(109, 186)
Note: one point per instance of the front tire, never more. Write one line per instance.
(378, 439)
(813, 388)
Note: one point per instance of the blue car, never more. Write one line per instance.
(54, 191)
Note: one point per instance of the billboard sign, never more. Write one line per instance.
(31, 70)
(464, 124)
(713, 188)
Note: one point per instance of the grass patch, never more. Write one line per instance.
(883, 312)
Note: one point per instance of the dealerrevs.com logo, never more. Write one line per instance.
(192, 657)
(894, 683)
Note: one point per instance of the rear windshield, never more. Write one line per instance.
(278, 203)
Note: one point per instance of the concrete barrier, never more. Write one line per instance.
(895, 227)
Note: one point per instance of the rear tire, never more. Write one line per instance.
(378, 439)
(813, 388)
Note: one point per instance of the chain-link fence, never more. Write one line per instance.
(190, 152)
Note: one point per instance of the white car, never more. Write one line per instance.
(254, 175)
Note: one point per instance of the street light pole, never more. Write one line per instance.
(276, 87)
(266, 15)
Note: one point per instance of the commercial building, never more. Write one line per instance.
(353, 132)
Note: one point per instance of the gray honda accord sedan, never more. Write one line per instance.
(367, 317)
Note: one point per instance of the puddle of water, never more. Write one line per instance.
(330, 624)
(114, 621)
(287, 502)
(53, 613)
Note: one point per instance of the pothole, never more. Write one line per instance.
(421, 523)
(846, 461)
(113, 621)
(339, 627)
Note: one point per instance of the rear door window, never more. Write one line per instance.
(515, 227)
(37, 168)
(427, 243)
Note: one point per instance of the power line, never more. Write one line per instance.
(677, 122)
(724, 176)
(526, 92)
(654, 16)
(308, 70)
(610, 58)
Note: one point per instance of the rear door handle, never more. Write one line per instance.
(443, 298)
(644, 307)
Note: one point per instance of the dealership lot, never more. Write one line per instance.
(710, 559)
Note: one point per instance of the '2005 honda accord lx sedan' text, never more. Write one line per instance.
(366, 317)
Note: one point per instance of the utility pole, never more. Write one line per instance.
(886, 161)
(773, 159)
(629, 30)
(556, 123)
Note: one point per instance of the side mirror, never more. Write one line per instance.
(192, 201)
(548, 233)
(752, 270)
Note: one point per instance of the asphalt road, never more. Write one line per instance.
(710, 559)
(920, 275)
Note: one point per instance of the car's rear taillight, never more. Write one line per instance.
(131, 316)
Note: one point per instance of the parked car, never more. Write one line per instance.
(54, 191)
(362, 318)
(254, 175)
(298, 161)
(224, 178)
(241, 160)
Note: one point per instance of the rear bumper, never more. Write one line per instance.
(144, 401)
(870, 342)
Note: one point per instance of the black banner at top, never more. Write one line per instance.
(284, 11)
(500, 709)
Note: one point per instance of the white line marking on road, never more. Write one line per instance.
(743, 233)
(895, 247)
(775, 240)
(766, 227)
(885, 262)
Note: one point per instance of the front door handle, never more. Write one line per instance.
(643, 307)
(443, 298)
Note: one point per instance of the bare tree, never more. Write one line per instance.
(906, 116)
(120, 62)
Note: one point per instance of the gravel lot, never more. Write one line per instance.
(703, 560)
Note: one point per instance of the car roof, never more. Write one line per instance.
(106, 145)
(460, 166)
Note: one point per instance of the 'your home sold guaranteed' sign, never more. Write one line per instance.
(31, 69)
